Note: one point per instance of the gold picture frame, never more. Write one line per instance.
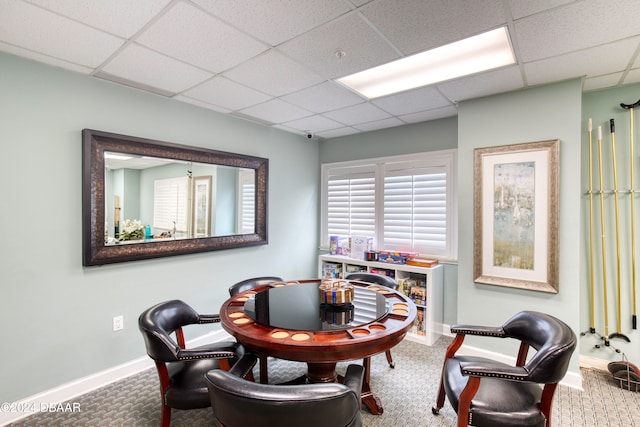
(516, 196)
(201, 210)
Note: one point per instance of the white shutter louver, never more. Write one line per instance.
(415, 211)
(351, 206)
(248, 208)
(170, 204)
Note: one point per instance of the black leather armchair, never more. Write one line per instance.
(240, 403)
(381, 280)
(181, 370)
(247, 284)
(487, 393)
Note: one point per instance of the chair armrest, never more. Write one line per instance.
(243, 366)
(487, 331)
(208, 318)
(353, 378)
(494, 370)
(224, 352)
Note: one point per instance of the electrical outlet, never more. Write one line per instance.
(118, 323)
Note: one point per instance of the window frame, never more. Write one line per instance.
(441, 158)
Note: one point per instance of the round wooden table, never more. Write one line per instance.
(287, 321)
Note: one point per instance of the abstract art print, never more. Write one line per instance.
(516, 215)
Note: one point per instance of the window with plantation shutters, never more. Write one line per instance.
(351, 204)
(415, 210)
(170, 203)
(247, 209)
(406, 203)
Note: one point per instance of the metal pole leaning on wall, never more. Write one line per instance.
(604, 254)
(618, 333)
(591, 261)
(631, 107)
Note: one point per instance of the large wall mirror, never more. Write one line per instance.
(147, 199)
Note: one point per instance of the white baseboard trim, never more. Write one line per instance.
(571, 379)
(594, 363)
(73, 389)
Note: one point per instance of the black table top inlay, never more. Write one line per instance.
(298, 307)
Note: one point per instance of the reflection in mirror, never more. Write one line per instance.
(147, 199)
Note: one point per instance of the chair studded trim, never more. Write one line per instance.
(223, 355)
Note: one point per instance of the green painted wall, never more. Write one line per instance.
(549, 112)
(56, 314)
(415, 138)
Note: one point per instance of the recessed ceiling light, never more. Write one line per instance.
(475, 54)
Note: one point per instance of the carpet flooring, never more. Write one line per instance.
(407, 393)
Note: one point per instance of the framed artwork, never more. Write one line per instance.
(516, 215)
(202, 206)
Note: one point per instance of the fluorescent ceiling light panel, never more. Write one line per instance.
(475, 54)
(116, 156)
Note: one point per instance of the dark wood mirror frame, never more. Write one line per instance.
(95, 252)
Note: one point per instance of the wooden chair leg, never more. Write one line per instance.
(451, 351)
(392, 364)
(464, 418)
(165, 417)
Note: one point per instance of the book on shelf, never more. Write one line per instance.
(422, 262)
(418, 324)
(358, 245)
(350, 268)
(331, 270)
(418, 294)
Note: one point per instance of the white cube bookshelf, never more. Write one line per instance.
(424, 285)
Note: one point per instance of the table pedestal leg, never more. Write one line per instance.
(322, 372)
(367, 397)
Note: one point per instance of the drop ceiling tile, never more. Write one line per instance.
(492, 82)
(596, 61)
(30, 27)
(578, 26)
(324, 97)
(412, 101)
(362, 46)
(18, 51)
(139, 64)
(380, 124)
(275, 21)
(188, 34)
(122, 18)
(423, 116)
(202, 104)
(313, 124)
(601, 82)
(225, 93)
(359, 3)
(418, 25)
(522, 8)
(633, 76)
(276, 111)
(357, 114)
(274, 74)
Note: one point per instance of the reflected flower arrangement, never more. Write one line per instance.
(131, 229)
